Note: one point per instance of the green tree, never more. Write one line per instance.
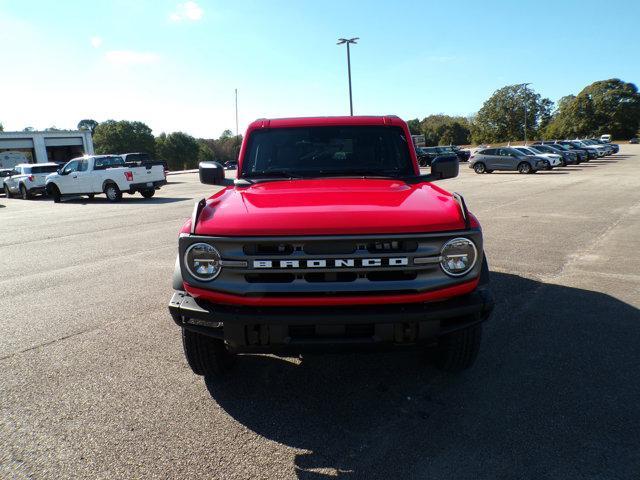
(87, 124)
(122, 137)
(1, 127)
(178, 149)
(607, 106)
(205, 152)
(414, 126)
(616, 107)
(444, 130)
(225, 148)
(502, 116)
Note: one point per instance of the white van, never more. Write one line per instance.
(605, 138)
(11, 159)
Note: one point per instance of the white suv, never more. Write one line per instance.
(554, 160)
(27, 179)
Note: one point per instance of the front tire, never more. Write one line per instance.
(458, 351)
(524, 168)
(112, 192)
(206, 355)
(54, 193)
(479, 168)
(7, 193)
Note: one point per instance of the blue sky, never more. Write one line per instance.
(175, 64)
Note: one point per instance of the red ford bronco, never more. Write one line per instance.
(330, 239)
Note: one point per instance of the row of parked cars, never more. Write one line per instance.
(541, 155)
(89, 175)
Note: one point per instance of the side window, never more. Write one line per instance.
(83, 165)
(71, 167)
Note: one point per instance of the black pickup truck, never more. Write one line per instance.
(427, 154)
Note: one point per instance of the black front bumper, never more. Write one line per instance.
(298, 329)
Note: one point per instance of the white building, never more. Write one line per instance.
(43, 147)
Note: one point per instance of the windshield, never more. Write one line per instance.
(327, 151)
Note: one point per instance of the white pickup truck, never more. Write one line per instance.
(108, 174)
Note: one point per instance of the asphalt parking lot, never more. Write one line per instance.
(93, 381)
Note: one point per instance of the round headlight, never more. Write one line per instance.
(458, 256)
(202, 261)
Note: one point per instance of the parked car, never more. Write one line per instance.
(568, 157)
(463, 155)
(554, 159)
(231, 165)
(603, 147)
(506, 158)
(4, 173)
(28, 179)
(634, 140)
(333, 241)
(426, 155)
(590, 153)
(106, 174)
(600, 151)
(605, 138)
(615, 148)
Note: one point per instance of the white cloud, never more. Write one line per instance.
(187, 11)
(96, 42)
(131, 57)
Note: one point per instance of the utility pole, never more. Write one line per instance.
(525, 110)
(349, 41)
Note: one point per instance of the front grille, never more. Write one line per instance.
(330, 265)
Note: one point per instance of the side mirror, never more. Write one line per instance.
(211, 173)
(444, 167)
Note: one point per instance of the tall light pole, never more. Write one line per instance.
(236, 112)
(349, 41)
(525, 110)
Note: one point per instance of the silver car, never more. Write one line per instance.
(487, 160)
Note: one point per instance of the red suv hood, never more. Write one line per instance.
(329, 206)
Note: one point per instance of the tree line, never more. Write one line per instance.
(607, 106)
(180, 150)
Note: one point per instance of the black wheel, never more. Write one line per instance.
(206, 355)
(563, 162)
(24, 195)
(479, 167)
(458, 351)
(524, 167)
(148, 193)
(91, 196)
(113, 192)
(54, 192)
(7, 193)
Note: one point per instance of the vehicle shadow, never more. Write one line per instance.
(555, 389)
(125, 199)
